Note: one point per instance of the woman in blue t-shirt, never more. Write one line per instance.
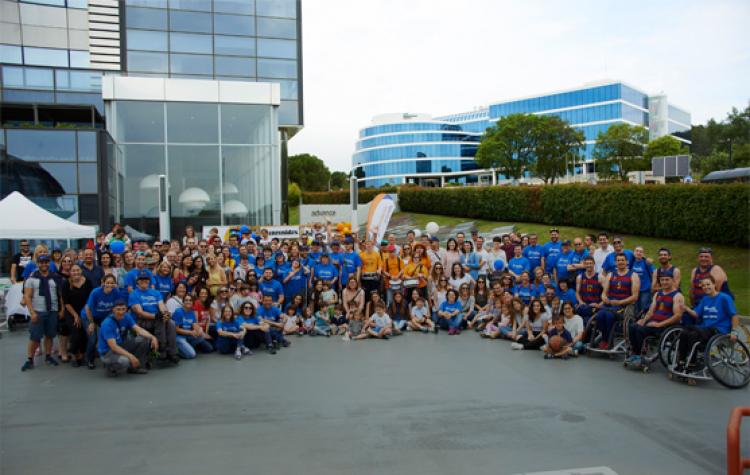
(98, 307)
(190, 335)
(231, 333)
(449, 314)
(162, 280)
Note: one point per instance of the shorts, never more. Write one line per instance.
(338, 320)
(399, 324)
(46, 325)
(377, 329)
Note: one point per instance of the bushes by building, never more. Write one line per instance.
(705, 213)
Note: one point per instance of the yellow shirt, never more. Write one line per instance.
(370, 261)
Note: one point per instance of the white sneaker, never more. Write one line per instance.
(238, 353)
(516, 346)
(246, 350)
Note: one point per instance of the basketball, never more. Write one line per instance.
(555, 344)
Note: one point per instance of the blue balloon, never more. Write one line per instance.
(244, 230)
(117, 247)
(499, 265)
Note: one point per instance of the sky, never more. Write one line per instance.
(366, 57)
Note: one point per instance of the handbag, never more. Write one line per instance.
(370, 276)
(413, 281)
(394, 284)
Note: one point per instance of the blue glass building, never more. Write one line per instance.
(402, 148)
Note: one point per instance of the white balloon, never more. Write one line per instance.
(432, 227)
(417, 233)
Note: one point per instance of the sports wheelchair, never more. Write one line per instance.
(619, 344)
(720, 359)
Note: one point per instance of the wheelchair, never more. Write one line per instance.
(619, 344)
(720, 359)
(656, 347)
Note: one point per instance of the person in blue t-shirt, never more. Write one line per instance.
(534, 252)
(315, 253)
(563, 264)
(281, 267)
(271, 316)
(270, 286)
(326, 271)
(118, 350)
(524, 289)
(98, 307)
(190, 335)
(296, 280)
(257, 332)
(146, 304)
(609, 265)
(449, 314)
(351, 263)
(551, 250)
(565, 293)
(716, 314)
(579, 254)
(645, 271)
(230, 336)
(336, 255)
(518, 264)
(132, 276)
(162, 280)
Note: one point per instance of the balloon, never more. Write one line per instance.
(340, 227)
(499, 265)
(117, 247)
(244, 230)
(432, 227)
(417, 233)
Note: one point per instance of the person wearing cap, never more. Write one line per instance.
(351, 263)
(618, 245)
(705, 268)
(645, 269)
(665, 263)
(563, 264)
(140, 266)
(315, 252)
(270, 286)
(152, 314)
(336, 255)
(551, 250)
(665, 310)
(119, 350)
(325, 271)
(43, 299)
(371, 265)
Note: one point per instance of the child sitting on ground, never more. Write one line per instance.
(558, 340)
(483, 318)
(292, 321)
(328, 295)
(420, 317)
(379, 325)
(356, 327)
(308, 321)
(338, 321)
(322, 321)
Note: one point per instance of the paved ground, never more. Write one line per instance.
(415, 404)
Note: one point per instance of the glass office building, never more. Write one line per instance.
(55, 56)
(591, 109)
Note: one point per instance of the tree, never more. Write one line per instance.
(293, 194)
(509, 145)
(339, 180)
(557, 146)
(619, 150)
(309, 172)
(665, 146)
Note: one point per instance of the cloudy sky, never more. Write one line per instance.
(366, 57)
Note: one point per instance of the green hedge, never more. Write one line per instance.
(705, 213)
(342, 197)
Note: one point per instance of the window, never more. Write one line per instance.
(65, 174)
(79, 59)
(200, 5)
(78, 80)
(277, 48)
(233, 45)
(246, 124)
(234, 25)
(289, 112)
(191, 64)
(87, 181)
(139, 121)
(235, 66)
(45, 56)
(42, 145)
(10, 54)
(277, 28)
(277, 8)
(189, 43)
(194, 168)
(147, 18)
(237, 7)
(289, 88)
(147, 40)
(88, 208)
(192, 122)
(147, 62)
(190, 21)
(148, 3)
(87, 146)
(277, 68)
(141, 165)
(28, 78)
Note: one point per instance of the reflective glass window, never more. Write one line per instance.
(147, 18)
(87, 146)
(88, 208)
(147, 40)
(234, 45)
(246, 124)
(237, 7)
(200, 5)
(289, 88)
(13, 95)
(142, 164)
(147, 62)
(139, 121)
(277, 28)
(31, 78)
(248, 169)
(42, 145)
(234, 66)
(79, 59)
(194, 22)
(45, 56)
(194, 181)
(234, 25)
(189, 122)
(277, 48)
(55, 3)
(64, 174)
(10, 54)
(93, 98)
(277, 68)
(148, 3)
(87, 178)
(289, 112)
(78, 80)
(191, 64)
(277, 8)
(190, 43)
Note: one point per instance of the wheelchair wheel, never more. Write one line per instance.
(667, 341)
(728, 362)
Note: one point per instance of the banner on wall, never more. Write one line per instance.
(279, 232)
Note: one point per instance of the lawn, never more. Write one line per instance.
(293, 215)
(734, 260)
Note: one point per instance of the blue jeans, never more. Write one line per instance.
(277, 335)
(91, 343)
(606, 318)
(188, 344)
(644, 301)
(226, 345)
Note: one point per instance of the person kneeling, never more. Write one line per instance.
(119, 353)
(380, 325)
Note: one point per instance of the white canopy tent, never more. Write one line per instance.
(23, 219)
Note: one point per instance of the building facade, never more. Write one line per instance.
(99, 96)
(389, 152)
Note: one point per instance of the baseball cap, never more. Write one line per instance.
(474, 232)
(435, 239)
(143, 275)
(705, 250)
(566, 242)
(384, 242)
(335, 244)
(120, 302)
(43, 258)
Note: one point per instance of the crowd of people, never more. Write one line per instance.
(131, 302)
